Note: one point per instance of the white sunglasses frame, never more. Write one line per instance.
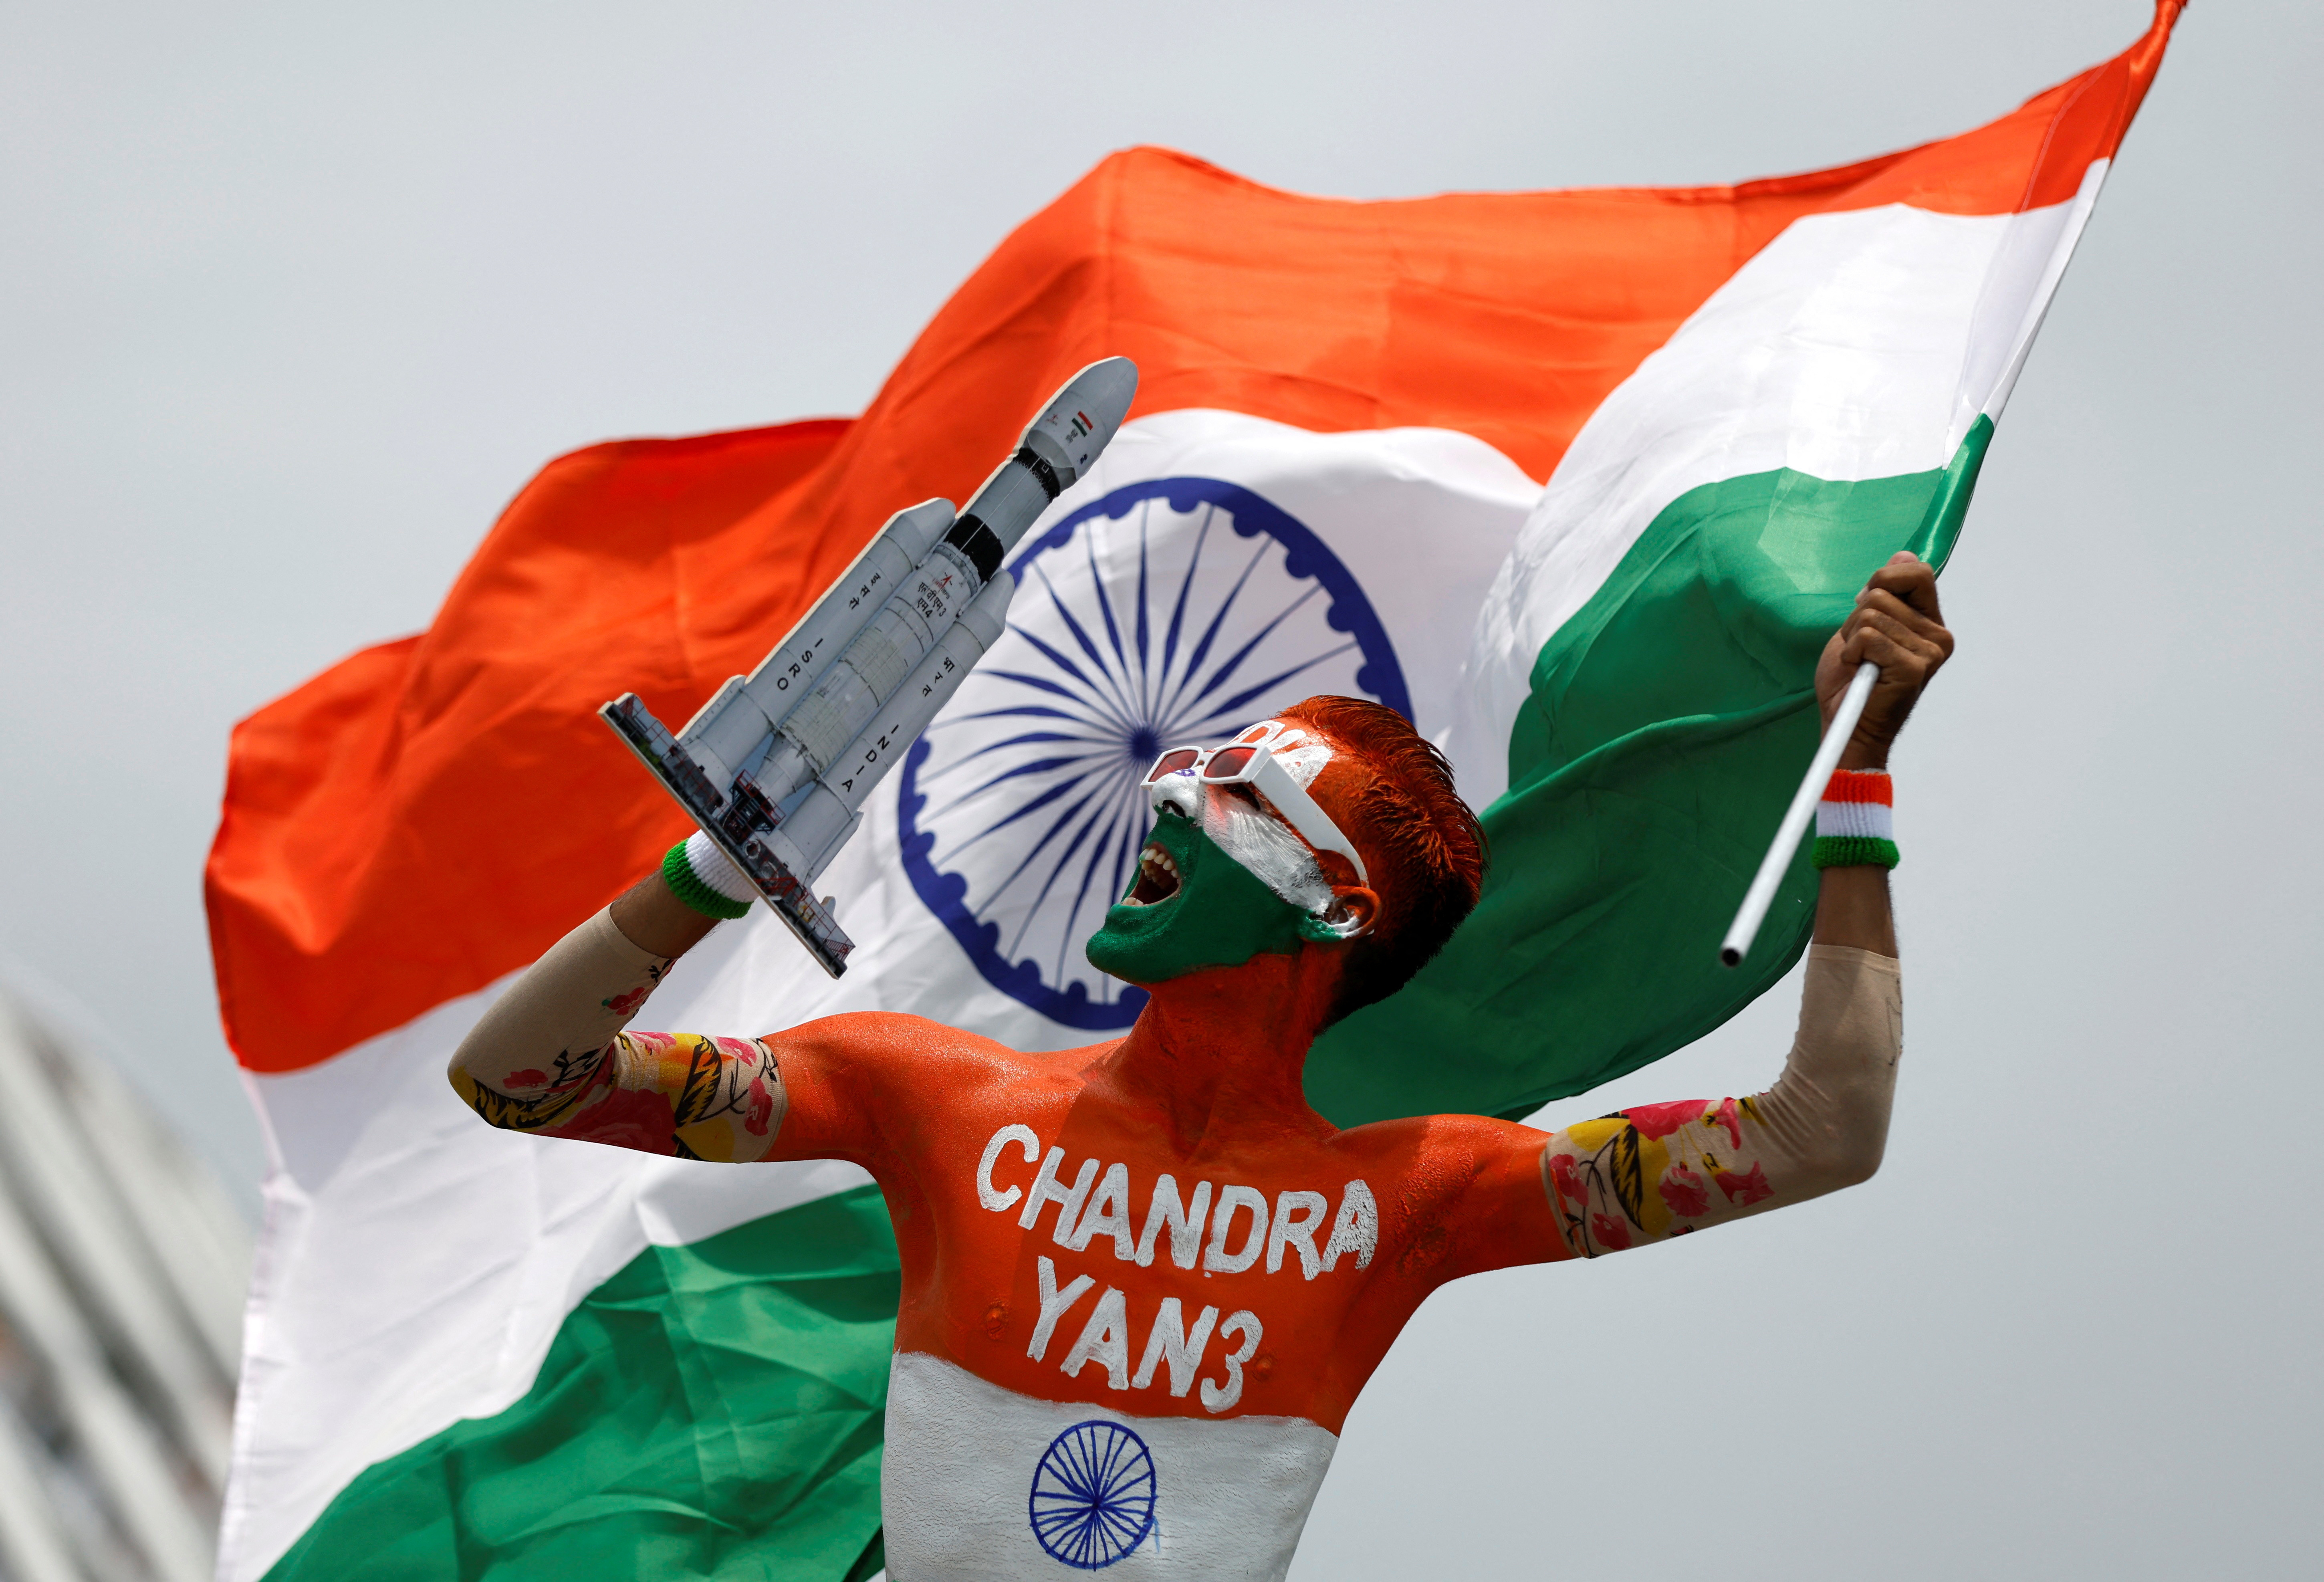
(1274, 784)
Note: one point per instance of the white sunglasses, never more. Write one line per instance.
(1250, 759)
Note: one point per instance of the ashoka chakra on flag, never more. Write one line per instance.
(1172, 611)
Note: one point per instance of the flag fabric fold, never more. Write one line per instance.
(1579, 481)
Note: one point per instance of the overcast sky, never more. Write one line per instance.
(297, 297)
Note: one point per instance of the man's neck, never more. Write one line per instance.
(1222, 1052)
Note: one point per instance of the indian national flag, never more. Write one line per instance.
(1578, 481)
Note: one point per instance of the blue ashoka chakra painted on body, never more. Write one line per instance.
(1093, 1498)
(1171, 611)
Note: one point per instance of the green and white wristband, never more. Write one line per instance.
(699, 875)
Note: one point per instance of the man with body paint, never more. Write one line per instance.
(1149, 1263)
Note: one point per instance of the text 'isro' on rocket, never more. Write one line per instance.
(776, 766)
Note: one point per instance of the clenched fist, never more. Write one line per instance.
(1897, 625)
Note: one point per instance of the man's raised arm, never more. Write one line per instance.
(1663, 1170)
(551, 1055)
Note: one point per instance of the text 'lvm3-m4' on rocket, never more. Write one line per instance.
(776, 766)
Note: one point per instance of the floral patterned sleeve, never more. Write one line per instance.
(552, 1056)
(1658, 1170)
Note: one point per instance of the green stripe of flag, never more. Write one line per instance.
(711, 1410)
(1668, 725)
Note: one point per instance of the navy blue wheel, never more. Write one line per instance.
(1172, 611)
(1092, 1499)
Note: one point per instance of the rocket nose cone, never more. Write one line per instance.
(1080, 421)
(1104, 390)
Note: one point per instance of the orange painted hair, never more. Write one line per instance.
(1421, 843)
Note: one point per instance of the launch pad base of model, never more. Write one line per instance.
(747, 834)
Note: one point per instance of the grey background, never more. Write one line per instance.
(296, 297)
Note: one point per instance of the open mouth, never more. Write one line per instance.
(1157, 878)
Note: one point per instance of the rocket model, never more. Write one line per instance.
(776, 766)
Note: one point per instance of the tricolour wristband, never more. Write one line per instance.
(1856, 824)
(681, 872)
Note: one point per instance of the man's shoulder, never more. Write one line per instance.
(1448, 1149)
(1430, 1132)
(884, 1027)
(915, 1044)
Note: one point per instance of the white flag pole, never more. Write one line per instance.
(1762, 893)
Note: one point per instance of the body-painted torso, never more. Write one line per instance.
(1023, 1189)
(1414, 1204)
(1200, 1456)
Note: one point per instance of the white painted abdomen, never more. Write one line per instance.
(982, 1484)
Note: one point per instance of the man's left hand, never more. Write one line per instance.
(1897, 626)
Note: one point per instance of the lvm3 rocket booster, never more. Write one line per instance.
(776, 766)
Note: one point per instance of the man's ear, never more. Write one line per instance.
(1351, 916)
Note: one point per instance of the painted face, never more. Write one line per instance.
(1192, 906)
(1221, 880)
